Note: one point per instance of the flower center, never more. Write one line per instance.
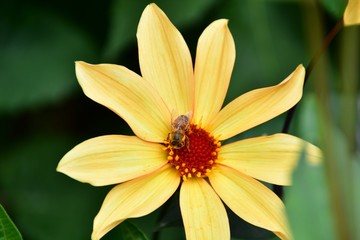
(196, 155)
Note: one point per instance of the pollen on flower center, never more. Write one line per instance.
(198, 155)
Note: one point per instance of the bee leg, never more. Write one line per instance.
(187, 143)
(167, 141)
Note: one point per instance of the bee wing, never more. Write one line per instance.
(175, 115)
(173, 118)
(189, 115)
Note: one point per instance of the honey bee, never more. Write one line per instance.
(178, 138)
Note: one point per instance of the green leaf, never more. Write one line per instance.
(125, 16)
(38, 50)
(8, 230)
(308, 203)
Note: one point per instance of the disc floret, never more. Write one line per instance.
(198, 158)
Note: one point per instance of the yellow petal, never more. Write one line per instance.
(269, 158)
(112, 159)
(250, 200)
(258, 106)
(129, 96)
(215, 59)
(165, 60)
(352, 13)
(135, 198)
(203, 213)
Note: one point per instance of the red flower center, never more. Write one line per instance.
(198, 154)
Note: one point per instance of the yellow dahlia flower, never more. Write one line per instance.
(148, 168)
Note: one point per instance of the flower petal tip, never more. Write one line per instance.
(58, 169)
(221, 24)
(314, 155)
(153, 8)
(81, 66)
(300, 69)
(223, 21)
(79, 63)
(298, 78)
(352, 13)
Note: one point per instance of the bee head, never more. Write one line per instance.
(177, 140)
(177, 144)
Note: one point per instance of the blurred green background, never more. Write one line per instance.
(43, 112)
